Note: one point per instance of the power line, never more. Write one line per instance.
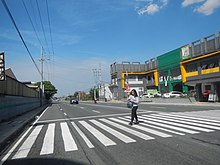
(48, 16)
(13, 21)
(32, 23)
(42, 26)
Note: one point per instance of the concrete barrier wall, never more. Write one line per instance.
(11, 106)
(13, 87)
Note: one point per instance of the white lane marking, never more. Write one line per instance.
(167, 126)
(183, 124)
(65, 114)
(82, 107)
(167, 130)
(161, 134)
(19, 141)
(158, 107)
(117, 134)
(61, 109)
(26, 146)
(100, 136)
(48, 144)
(96, 111)
(194, 118)
(131, 131)
(89, 117)
(87, 141)
(194, 121)
(69, 142)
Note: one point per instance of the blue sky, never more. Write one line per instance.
(87, 34)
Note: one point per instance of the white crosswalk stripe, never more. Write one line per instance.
(87, 141)
(25, 148)
(152, 126)
(100, 136)
(117, 134)
(194, 119)
(48, 144)
(155, 122)
(189, 123)
(129, 130)
(69, 142)
(176, 124)
(146, 129)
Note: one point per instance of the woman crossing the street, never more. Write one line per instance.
(134, 99)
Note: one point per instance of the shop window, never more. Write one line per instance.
(210, 64)
(191, 68)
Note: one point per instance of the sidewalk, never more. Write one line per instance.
(11, 128)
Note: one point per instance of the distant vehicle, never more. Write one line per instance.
(147, 95)
(173, 94)
(158, 94)
(74, 101)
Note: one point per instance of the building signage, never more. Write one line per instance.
(185, 52)
(2, 67)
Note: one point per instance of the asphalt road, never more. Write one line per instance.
(99, 134)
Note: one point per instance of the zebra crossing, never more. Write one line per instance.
(152, 126)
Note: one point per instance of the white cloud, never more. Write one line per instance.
(151, 7)
(206, 8)
(191, 2)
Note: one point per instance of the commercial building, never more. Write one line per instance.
(127, 76)
(193, 67)
(200, 61)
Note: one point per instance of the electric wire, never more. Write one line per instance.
(32, 23)
(16, 27)
(42, 26)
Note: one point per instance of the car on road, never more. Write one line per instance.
(74, 101)
(173, 94)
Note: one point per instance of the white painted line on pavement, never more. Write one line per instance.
(26, 146)
(69, 142)
(89, 117)
(65, 114)
(96, 111)
(19, 141)
(87, 141)
(186, 124)
(167, 126)
(191, 117)
(100, 136)
(161, 134)
(190, 120)
(117, 134)
(131, 131)
(152, 126)
(48, 144)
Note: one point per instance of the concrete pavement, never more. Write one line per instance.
(11, 128)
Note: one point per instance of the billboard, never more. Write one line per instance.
(2, 67)
(185, 52)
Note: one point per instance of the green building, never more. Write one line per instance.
(170, 78)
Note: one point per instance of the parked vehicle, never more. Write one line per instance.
(173, 94)
(158, 94)
(146, 97)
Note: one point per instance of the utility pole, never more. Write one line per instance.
(42, 73)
